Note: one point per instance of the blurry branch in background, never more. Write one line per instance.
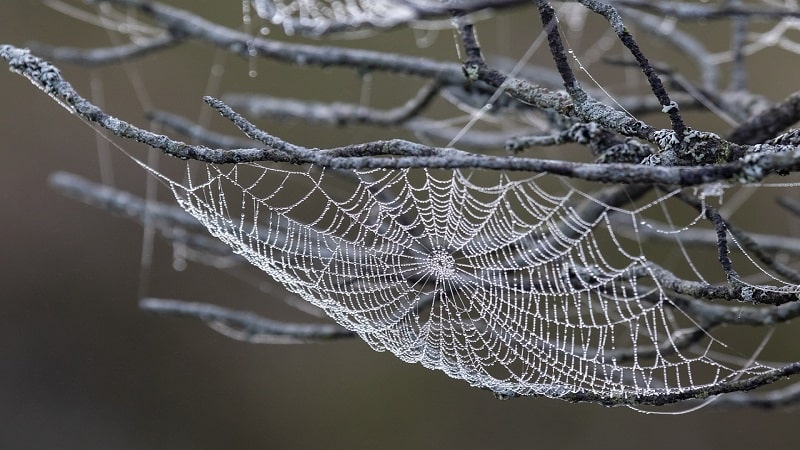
(624, 150)
(246, 326)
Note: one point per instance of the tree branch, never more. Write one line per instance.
(245, 325)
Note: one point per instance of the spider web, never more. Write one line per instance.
(498, 282)
(316, 17)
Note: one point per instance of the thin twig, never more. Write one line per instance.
(253, 327)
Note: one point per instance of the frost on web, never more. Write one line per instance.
(500, 282)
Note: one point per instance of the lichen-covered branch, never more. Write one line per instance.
(759, 163)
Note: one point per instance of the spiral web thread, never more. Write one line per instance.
(499, 283)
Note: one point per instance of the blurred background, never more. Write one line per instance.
(82, 367)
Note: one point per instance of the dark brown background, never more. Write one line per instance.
(82, 367)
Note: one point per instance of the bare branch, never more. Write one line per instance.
(762, 161)
(106, 55)
(725, 387)
(767, 124)
(173, 222)
(775, 399)
(337, 114)
(249, 327)
(193, 27)
(695, 11)
(613, 17)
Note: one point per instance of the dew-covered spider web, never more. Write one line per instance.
(315, 15)
(511, 286)
(322, 16)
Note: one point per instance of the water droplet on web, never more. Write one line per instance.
(252, 60)
(246, 18)
(179, 257)
(441, 264)
(179, 264)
